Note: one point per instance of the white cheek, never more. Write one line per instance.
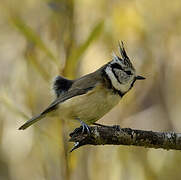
(113, 79)
(121, 87)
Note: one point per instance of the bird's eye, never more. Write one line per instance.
(128, 72)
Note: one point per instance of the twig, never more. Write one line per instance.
(114, 135)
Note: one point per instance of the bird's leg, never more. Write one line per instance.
(84, 126)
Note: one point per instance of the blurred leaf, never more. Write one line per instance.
(38, 67)
(76, 54)
(11, 106)
(32, 36)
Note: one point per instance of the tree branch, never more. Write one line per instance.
(114, 135)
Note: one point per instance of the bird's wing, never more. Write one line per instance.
(77, 88)
(64, 97)
(54, 105)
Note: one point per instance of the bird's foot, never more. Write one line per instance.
(85, 127)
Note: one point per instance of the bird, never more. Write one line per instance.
(90, 97)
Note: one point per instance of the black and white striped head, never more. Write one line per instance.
(121, 72)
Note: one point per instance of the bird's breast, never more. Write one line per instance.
(91, 106)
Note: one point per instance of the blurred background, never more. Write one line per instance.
(40, 39)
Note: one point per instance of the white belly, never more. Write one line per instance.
(89, 107)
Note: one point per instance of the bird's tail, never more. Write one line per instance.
(31, 121)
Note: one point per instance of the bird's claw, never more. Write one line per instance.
(85, 127)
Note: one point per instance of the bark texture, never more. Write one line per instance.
(114, 135)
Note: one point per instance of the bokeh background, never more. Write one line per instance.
(40, 39)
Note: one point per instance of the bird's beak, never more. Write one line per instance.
(140, 78)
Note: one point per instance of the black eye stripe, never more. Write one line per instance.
(128, 72)
(116, 76)
(117, 66)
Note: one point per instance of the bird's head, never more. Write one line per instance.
(121, 72)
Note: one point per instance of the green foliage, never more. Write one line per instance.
(77, 53)
(32, 37)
